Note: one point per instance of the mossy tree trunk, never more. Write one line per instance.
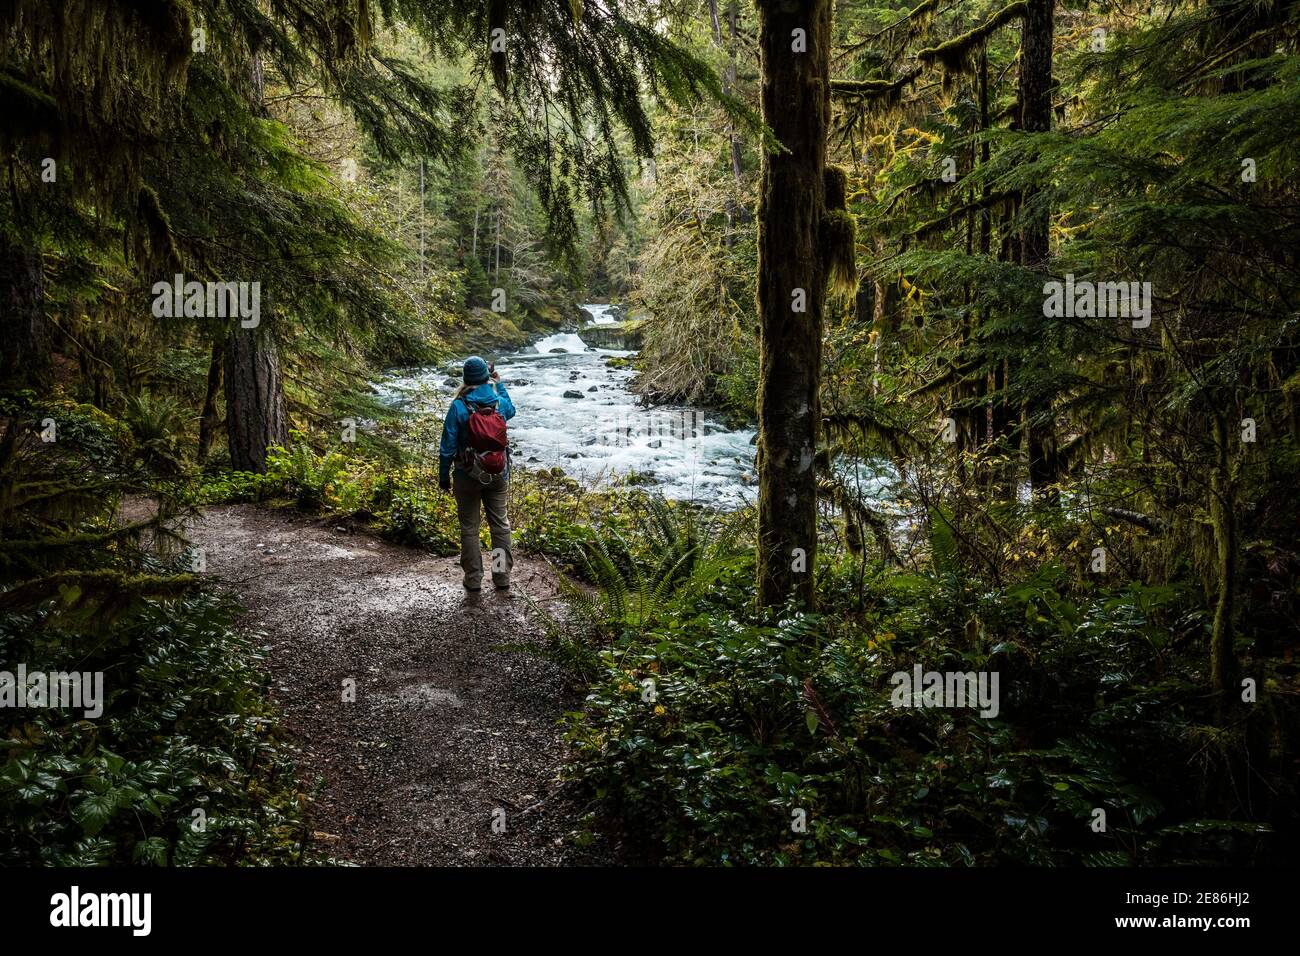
(794, 63)
(1034, 115)
(986, 431)
(25, 358)
(255, 406)
(255, 410)
(1223, 520)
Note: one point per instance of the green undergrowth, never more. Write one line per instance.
(179, 761)
(550, 513)
(716, 736)
(186, 765)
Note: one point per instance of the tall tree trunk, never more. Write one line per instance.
(1035, 116)
(1034, 108)
(25, 357)
(1223, 519)
(737, 169)
(208, 417)
(255, 409)
(794, 60)
(986, 235)
(886, 323)
(1001, 413)
(255, 413)
(1002, 419)
(732, 207)
(421, 216)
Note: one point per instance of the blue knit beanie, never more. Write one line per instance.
(476, 371)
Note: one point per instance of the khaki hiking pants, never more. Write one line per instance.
(470, 493)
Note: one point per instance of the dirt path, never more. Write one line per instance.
(447, 733)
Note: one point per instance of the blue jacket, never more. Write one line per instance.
(455, 430)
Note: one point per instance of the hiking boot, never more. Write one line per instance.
(500, 582)
(473, 586)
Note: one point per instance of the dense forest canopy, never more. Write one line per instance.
(1008, 292)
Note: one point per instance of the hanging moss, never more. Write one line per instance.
(923, 13)
(838, 240)
(837, 187)
(155, 244)
(959, 56)
(874, 98)
(857, 515)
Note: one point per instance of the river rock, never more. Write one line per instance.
(592, 389)
(573, 393)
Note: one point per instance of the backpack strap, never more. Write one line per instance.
(474, 406)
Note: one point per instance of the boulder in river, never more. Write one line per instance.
(592, 389)
(558, 351)
(573, 393)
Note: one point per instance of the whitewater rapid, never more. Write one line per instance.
(574, 411)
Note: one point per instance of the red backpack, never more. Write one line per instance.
(486, 452)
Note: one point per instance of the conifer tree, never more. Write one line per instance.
(805, 240)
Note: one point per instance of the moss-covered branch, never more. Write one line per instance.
(960, 54)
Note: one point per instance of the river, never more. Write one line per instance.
(574, 411)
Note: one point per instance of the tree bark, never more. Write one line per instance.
(25, 359)
(791, 273)
(1034, 110)
(733, 208)
(986, 433)
(255, 410)
(422, 216)
(1223, 659)
(208, 420)
(736, 167)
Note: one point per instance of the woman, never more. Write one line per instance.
(472, 485)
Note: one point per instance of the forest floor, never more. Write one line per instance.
(448, 732)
